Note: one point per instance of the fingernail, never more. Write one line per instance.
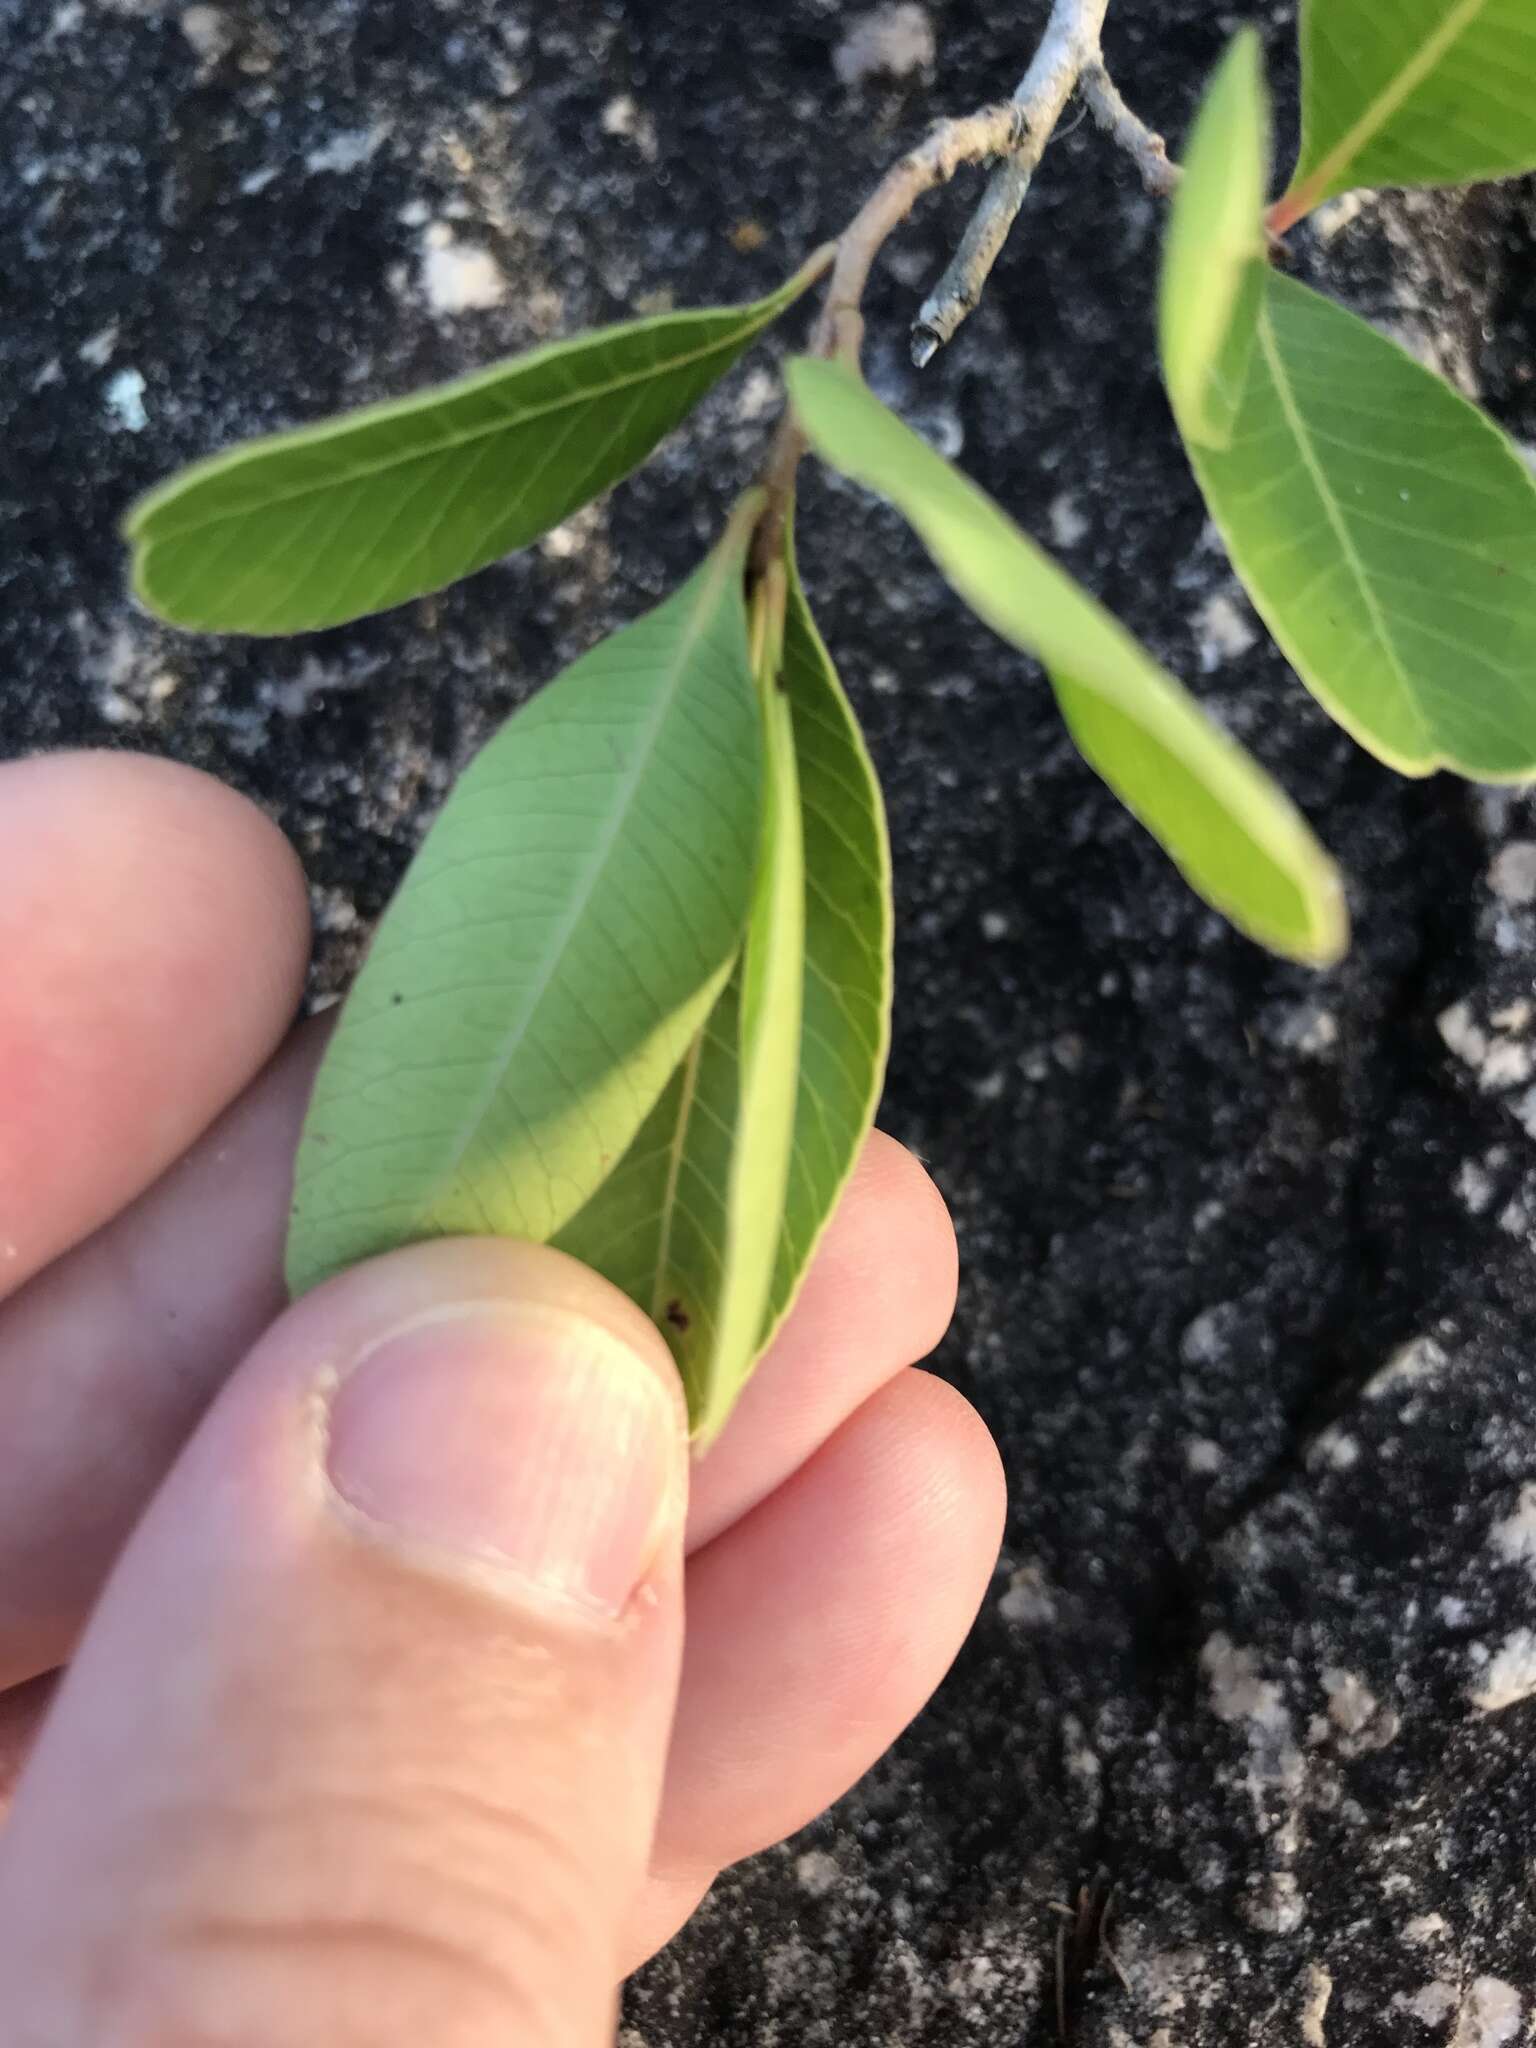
(525, 1437)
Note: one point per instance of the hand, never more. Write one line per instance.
(380, 1724)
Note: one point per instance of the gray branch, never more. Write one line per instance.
(1143, 145)
(1068, 49)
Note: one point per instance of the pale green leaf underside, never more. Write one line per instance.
(1215, 253)
(848, 940)
(1415, 92)
(1386, 530)
(688, 1223)
(553, 950)
(772, 997)
(1232, 832)
(311, 528)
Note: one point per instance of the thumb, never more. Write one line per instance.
(365, 1740)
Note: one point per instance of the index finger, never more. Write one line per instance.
(154, 932)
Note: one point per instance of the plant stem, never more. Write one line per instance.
(1143, 145)
(972, 139)
(1017, 132)
(1068, 47)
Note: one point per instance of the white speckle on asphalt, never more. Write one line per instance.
(457, 278)
(1028, 1599)
(1411, 1364)
(1068, 525)
(817, 1872)
(1205, 1338)
(1334, 1450)
(347, 150)
(1509, 1676)
(1497, 1061)
(1433, 2004)
(890, 42)
(1425, 1927)
(1512, 872)
(623, 117)
(1308, 1027)
(97, 351)
(1276, 1905)
(124, 397)
(1317, 1992)
(209, 31)
(1514, 1538)
(1224, 631)
(759, 394)
(1203, 1457)
(1351, 1703)
(1238, 1693)
(1474, 1186)
(1490, 2015)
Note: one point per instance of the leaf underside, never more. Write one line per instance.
(312, 528)
(1386, 531)
(689, 1222)
(848, 942)
(554, 949)
(1414, 92)
(1236, 837)
(1215, 253)
(664, 1225)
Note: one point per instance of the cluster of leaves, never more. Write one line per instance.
(633, 995)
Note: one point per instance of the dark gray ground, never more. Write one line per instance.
(1250, 1292)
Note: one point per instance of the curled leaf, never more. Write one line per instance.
(689, 1222)
(1217, 250)
(1234, 834)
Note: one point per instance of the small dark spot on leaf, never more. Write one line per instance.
(397, 997)
(677, 1315)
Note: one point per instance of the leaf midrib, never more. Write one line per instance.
(1333, 512)
(554, 955)
(1376, 116)
(339, 479)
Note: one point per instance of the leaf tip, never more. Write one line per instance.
(1331, 932)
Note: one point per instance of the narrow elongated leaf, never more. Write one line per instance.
(554, 949)
(1386, 530)
(772, 999)
(1413, 92)
(657, 1226)
(688, 1224)
(848, 935)
(311, 528)
(1233, 833)
(1216, 251)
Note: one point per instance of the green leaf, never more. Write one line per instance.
(554, 949)
(688, 1224)
(1386, 530)
(1412, 92)
(1233, 833)
(312, 528)
(848, 940)
(1216, 250)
